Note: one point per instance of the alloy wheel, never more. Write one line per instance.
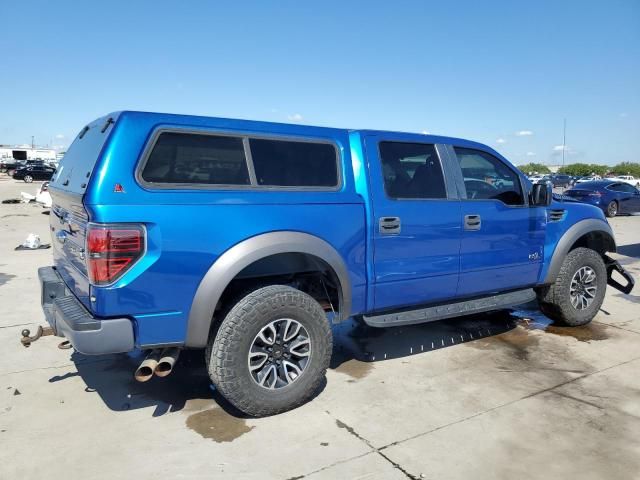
(279, 353)
(583, 288)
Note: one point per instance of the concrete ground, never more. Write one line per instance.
(500, 396)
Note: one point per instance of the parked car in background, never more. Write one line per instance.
(29, 173)
(611, 196)
(8, 164)
(631, 180)
(590, 178)
(560, 180)
(535, 178)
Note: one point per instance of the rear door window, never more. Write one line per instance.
(622, 187)
(411, 170)
(288, 163)
(187, 158)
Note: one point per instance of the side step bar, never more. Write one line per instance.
(456, 309)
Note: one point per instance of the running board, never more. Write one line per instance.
(440, 312)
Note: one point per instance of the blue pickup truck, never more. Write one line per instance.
(248, 239)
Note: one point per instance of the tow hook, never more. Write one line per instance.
(615, 265)
(27, 340)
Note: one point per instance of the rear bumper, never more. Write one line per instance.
(68, 318)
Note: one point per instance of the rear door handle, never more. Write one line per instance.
(389, 225)
(472, 222)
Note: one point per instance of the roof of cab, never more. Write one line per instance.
(198, 121)
(266, 125)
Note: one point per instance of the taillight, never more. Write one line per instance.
(595, 194)
(112, 250)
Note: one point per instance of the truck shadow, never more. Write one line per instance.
(632, 250)
(354, 340)
(356, 349)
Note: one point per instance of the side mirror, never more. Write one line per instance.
(541, 195)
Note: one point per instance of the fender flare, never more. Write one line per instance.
(569, 238)
(234, 260)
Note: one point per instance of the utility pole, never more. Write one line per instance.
(31, 142)
(564, 139)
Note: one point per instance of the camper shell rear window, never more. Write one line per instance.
(179, 159)
(74, 170)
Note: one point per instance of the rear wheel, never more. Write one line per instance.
(578, 292)
(28, 178)
(271, 351)
(612, 208)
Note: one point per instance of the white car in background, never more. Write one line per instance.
(535, 178)
(591, 178)
(631, 180)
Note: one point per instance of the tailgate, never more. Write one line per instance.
(69, 218)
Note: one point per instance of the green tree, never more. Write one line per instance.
(627, 168)
(584, 169)
(529, 168)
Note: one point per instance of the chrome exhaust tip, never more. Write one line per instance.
(167, 361)
(145, 371)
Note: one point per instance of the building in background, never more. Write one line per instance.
(25, 152)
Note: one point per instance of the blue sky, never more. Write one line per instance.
(505, 73)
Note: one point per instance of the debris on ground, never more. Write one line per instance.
(32, 243)
(43, 246)
(27, 197)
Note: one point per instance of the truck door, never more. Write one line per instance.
(416, 222)
(503, 237)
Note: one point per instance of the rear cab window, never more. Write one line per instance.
(411, 170)
(209, 161)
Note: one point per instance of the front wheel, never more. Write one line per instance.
(578, 292)
(28, 178)
(271, 351)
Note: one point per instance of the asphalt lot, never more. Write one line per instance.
(493, 396)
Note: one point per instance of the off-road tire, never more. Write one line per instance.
(228, 350)
(555, 301)
(612, 209)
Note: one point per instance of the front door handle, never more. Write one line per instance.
(389, 225)
(472, 222)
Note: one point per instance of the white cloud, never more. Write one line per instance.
(296, 117)
(531, 154)
(559, 148)
(524, 133)
(501, 140)
(59, 136)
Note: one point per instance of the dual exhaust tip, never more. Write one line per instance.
(158, 362)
